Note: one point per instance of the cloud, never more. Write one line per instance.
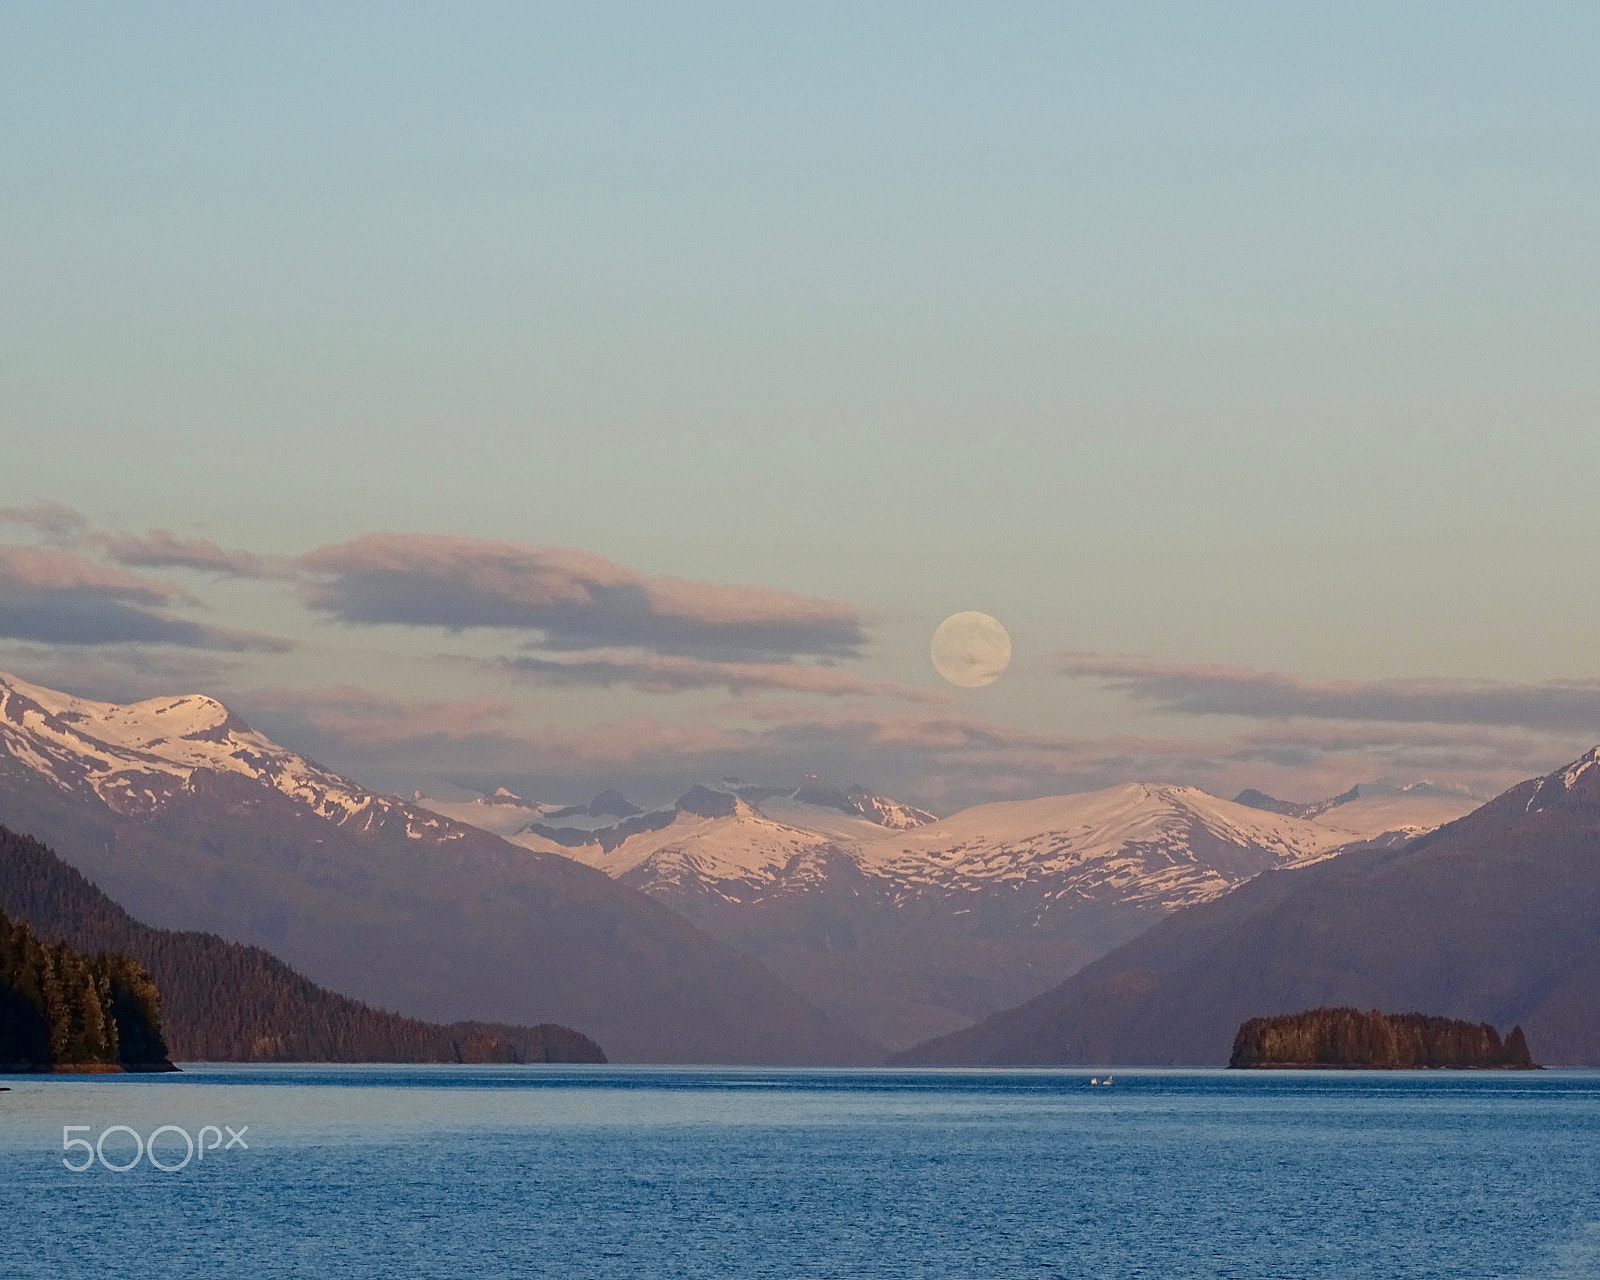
(55, 597)
(573, 599)
(51, 520)
(661, 674)
(160, 549)
(1184, 689)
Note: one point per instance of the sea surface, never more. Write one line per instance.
(359, 1171)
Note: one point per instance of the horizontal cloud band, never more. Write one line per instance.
(658, 674)
(1569, 705)
(574, 599)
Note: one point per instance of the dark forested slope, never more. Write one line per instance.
(224, 1002)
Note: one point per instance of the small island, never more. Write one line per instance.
(1348, 1038)
(61, 1010)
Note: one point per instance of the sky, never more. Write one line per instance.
(564, 396)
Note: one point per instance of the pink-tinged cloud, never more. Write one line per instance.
(160, 549)
(1187, 689)
(53, 596)
(571, 599)
(654, 673)
(49, 569)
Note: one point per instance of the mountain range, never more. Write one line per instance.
(905, 926)
(191, 820)
(744, 923)
(1494, 917)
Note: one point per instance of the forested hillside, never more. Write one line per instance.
(223, 1002)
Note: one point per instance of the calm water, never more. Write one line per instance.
(642, 1172)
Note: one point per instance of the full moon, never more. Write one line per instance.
(971, 650)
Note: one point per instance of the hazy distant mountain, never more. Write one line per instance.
(1494, 918)
(191, 820)
(1373, 807)
(905, 926)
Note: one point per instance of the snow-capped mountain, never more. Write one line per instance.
(1491, 919)
(1138, 844)
(139, 759)
(1578, 783)
(190, 819)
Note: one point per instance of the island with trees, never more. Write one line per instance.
(1372, 1040)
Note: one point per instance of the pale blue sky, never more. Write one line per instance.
(1253, 335)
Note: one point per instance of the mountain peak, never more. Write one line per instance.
(1582, 765)
(138, 757)
(1576, 783)
(860, 803)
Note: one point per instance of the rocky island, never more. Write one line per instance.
(1352, 1039)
